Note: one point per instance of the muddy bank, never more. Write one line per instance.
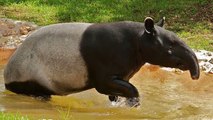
(13, 32)
(5, 54)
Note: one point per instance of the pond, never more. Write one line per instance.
(163, 94)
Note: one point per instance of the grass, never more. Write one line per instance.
(45, 12)
(192, 20)
(199, 36)
(9, 116)
(64, 114)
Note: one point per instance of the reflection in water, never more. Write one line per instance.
(164, 95)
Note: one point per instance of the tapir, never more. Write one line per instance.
(66, 58)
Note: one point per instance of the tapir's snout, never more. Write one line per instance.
(190, 63)
(193, 65)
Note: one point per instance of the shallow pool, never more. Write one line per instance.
(164, 95)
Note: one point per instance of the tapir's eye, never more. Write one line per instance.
(170, 51)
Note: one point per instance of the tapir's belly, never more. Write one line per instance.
(51, 57)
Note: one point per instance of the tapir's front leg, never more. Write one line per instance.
(118, 87)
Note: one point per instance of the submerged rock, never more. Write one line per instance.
(205, 59)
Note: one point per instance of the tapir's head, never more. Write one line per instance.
(164, 48)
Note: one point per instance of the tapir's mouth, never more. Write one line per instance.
(181, 66)
(194, 70)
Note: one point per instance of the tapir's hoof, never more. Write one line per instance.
(133, 102)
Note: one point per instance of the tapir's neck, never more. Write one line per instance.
(132, 32)
(121, 42)
(136, 30)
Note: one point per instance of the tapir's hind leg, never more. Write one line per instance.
(31, 88)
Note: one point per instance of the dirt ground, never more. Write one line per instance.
(13, 32)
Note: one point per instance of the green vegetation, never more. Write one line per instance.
(46, 12)
(9, 116)
(191, 19)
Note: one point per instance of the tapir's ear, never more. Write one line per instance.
(161, 22)
(149, 25)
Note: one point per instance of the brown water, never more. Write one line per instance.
(164, 95)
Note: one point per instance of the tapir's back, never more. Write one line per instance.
(51, 57)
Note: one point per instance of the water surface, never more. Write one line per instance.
(163, 94)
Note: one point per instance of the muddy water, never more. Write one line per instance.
(164, 95)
